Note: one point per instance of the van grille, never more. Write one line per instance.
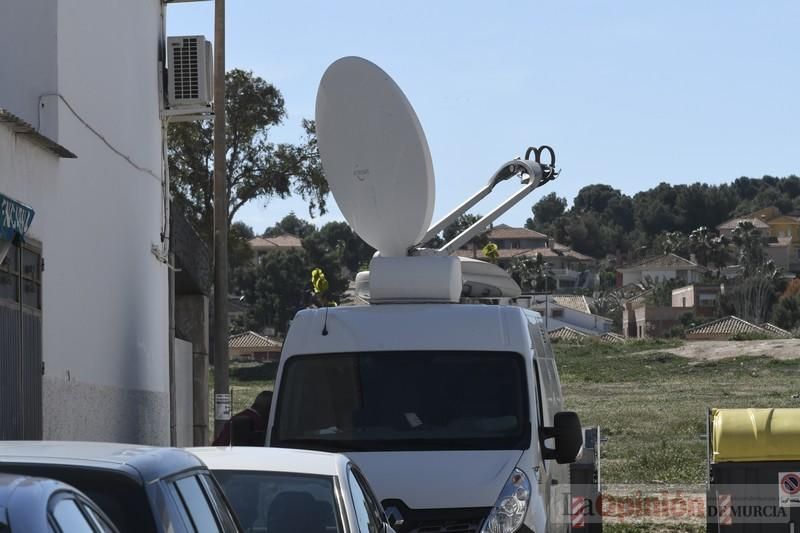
(471, 527)
(463, 520)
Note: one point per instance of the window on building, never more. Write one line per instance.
(515, 244)
(684, 302)
(21, 276)
(707, 300)
(557, 313)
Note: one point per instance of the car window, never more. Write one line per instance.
(219, 503)
(368, 515)
(100, 522)
(197, 505)
(279, 502)
(121, 498)
(69, 518)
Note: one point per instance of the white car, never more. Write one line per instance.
(286, 491)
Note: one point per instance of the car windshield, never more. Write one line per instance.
(384, 401)
(281, 503)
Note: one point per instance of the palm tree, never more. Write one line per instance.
(532, 274)
(750, 242)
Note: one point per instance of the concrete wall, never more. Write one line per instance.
(184, 402)
(105, 333)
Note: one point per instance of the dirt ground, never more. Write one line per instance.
(715, 350)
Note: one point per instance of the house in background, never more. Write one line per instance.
(782, 233)
(508, 238)
(641, 320)
(570, 270)
(661, 268)
(573, 312)
(265, 245)
(702, 300)
(254, 347)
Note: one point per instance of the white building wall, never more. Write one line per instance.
(27, 55)
(105, 295)
(105, 309)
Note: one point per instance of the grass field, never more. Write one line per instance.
(650, 405)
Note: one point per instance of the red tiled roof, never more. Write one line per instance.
(251, 339)
(577, 303)
(503, 231)
(612, 337)
(567, 334)
(729, 325)
(776, 331)
(271, 243)
(732, 223)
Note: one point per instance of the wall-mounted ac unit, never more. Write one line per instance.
(190, 72)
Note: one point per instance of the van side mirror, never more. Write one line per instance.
(568, 436)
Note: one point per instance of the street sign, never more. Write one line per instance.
(222, 406)
(789, 489)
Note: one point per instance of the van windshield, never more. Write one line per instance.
(391, 401)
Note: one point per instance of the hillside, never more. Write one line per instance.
(602, 220)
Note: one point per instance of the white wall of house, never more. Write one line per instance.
(559, 316)
(105, 323)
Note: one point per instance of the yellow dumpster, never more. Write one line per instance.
(742, 435)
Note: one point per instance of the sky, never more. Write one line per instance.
(629, 93)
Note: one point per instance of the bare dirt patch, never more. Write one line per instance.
(715, 350)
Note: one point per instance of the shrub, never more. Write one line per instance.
(750, 337)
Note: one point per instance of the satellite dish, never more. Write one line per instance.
(375, 156)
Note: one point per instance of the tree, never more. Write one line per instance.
(752, 295)
(660, 291)
(459, 225)
(256, 168)
(351, 251)
(792, 288)
(548, 209)
(292, 225)
(239, 252)
(786, 314)
(676, 243)
(276, 288)
(532, 273)
(750, 243)
(281, 284)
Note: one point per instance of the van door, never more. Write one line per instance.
(551, 402)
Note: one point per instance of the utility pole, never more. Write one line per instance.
(222, 399)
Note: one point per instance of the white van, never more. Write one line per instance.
(452, 410)
(445, 407)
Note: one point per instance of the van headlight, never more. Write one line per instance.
(509, 511)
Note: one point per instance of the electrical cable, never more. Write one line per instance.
(102, 138)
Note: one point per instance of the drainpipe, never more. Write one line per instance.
(167, 237)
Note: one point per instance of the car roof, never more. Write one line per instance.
(264, 459)
(149, 463)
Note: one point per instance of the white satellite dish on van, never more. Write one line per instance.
(375, 156)
(378, 166)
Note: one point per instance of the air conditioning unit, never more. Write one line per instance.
(190, 74)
